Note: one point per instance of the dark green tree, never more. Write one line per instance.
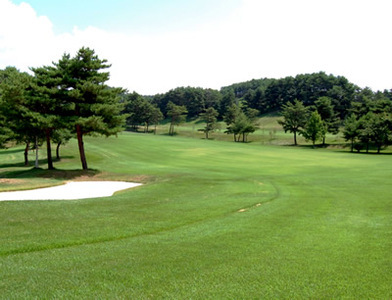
(155, 117)
(210, 117)
(152, 115)
(242, 127)
(232, 113)
(252, 113)
(5, 132)
(92, 107)
(351, 130)
(177, 115)
(141, 112)
(44, 105)
(228, 99)
(375, 129)
(212, 98)
(326, 111)
(135, 110)
(14, 108)
(239, 123)
(314, 128)
(294, 118)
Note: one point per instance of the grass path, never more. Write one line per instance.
(213, 220)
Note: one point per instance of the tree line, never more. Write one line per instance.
(368, 123)
(328, 103)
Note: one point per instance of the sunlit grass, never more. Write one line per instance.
(213, 220)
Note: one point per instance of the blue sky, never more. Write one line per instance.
(143, 16)
(158, 45)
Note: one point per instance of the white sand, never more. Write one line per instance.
(70, 191)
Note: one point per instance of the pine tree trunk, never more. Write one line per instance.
(58, 150)
(26, 154)
(49, 150)
(36, 153)
(79, 134)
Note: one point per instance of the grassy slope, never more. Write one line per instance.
(269, 132)
(214, 220)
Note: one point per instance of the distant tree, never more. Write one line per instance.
(326, 111)
(140, 111)
(91, 105)
(212, 98)
(232, 113)
(351, 130)
(239, 124)
(210, 117)
(375, 129)
(363, 103)
(228, 99)
(195, 100)
(295, 117)
(251, 93)
(155, 117)
(242, 127)
(177, 115)
(252, 113)
(136, 110)
(314, 129)
(365, 131)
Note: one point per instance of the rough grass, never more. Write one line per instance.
(213, 220)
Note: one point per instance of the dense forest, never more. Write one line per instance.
(71, 99)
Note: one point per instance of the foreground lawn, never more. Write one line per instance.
(213, 220)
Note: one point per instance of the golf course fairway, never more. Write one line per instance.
(212, 220)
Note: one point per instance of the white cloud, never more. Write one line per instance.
(24, 36)
(263, 38)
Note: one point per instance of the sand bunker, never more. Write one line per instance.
(70, 191)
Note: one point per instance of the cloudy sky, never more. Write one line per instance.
(157, 45)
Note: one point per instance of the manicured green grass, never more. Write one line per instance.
(213, 220)
(269, 132)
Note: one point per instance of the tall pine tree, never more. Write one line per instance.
(90, 105)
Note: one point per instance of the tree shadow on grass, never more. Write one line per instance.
(8, 151)
(371, 152)
(50, 174)
(340, 148)
(168, 134)
(12, 165)
(31, 163)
